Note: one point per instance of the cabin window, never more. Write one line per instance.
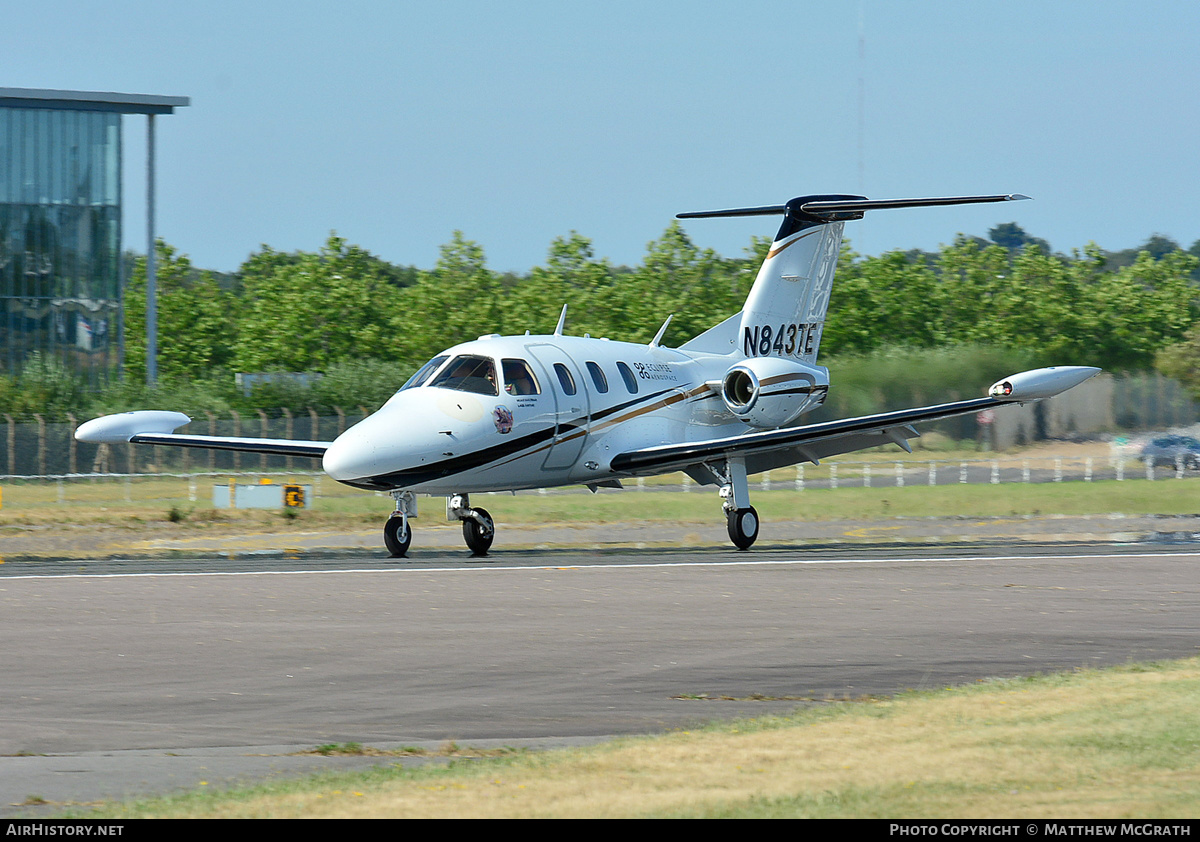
(598, 377)
(424, 372)
(565, 378)
(627, 376)
(519, 379)
(469, 373)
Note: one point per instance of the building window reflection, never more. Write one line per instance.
(60, 238)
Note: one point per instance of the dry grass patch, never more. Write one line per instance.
(1121, 743)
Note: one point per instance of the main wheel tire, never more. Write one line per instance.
(396, 537)
(479, 536)
(743, 527)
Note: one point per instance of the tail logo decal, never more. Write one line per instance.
(818, 301)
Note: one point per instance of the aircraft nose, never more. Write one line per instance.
(350, 457)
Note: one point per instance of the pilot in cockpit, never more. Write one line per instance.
(469, 374)
(518, 380)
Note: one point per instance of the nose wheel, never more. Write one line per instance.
(397, 535)
(397, 532)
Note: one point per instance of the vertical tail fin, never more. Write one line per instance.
(784, 315)
(785, 312)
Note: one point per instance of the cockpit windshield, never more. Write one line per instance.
(468, 373)
(424, 372)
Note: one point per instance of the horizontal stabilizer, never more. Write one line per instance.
(765, 210)
(831, 208)
(828, 209)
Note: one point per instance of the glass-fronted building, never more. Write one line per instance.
(60, 226)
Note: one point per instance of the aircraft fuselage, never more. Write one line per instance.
(587, 400)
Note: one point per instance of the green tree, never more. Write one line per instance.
(1012, 236)
(1181, 360)
(195, 334)
(572, 276)
(44, 385)
(888, 300)
(696, 287)
(1041, 305)
(971, 276)
(1159, 246)
(306, 311)
(1142, 308)
(458, 300)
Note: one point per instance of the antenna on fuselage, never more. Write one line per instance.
(562, 320)
(661, 331)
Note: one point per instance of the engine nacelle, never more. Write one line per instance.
(768, 392)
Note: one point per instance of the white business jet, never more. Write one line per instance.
(504, 413)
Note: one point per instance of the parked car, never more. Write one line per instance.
(1167, 450)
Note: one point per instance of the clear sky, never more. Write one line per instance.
(396, 123)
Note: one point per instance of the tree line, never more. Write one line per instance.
(366, 324)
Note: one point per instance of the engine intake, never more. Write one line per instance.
(767, 392)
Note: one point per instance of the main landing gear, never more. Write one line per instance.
(741, 519)
(743, 526)
(479, 530)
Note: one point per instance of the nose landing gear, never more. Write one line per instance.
(397, 535)
(397, 532)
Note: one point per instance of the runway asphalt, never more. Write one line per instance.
(129, 677)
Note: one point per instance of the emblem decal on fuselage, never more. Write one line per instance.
(503, 418)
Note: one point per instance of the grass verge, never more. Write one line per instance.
(165, 502)
(1101, 744)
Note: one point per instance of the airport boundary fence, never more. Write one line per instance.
(40, 446)
(48, 448)
(195, 488)
(41, 461)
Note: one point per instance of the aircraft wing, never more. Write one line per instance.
(157, 427)
(775, 448)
